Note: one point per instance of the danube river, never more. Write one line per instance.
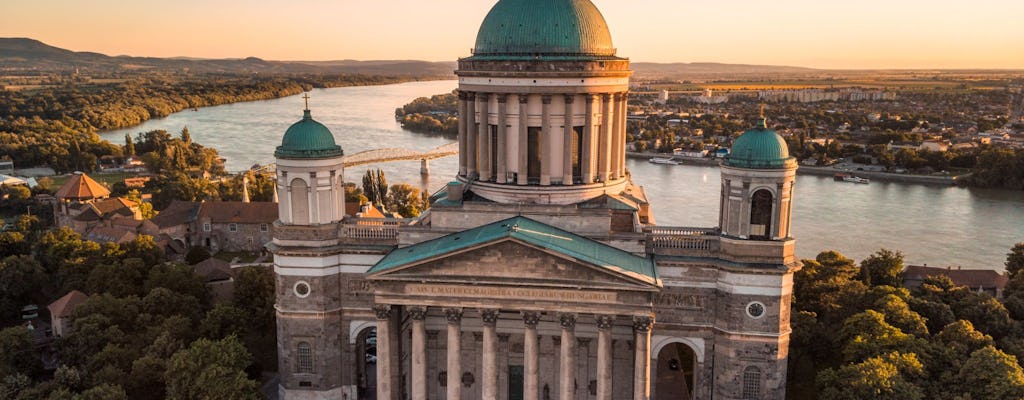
(939, 226)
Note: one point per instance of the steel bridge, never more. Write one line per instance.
(392, 154)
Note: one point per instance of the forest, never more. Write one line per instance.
(56, 126)
(436, 114)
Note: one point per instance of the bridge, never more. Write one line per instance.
(392, 154)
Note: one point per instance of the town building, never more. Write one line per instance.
(62, 309)
(538, 272)
(981, 280)
(234, 226)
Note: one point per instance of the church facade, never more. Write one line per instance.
(539, 272)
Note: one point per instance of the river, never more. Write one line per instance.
(936, 225)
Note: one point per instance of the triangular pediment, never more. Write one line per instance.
(518, 252)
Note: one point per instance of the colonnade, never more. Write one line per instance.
(484, 147)
(567, 321)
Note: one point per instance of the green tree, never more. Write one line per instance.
(22, 282)
(991, 374)
(867, 334)
(884, 267)
(405, 200)
(129, 145)
(1015, 259)
(18, 353)
(211, 370)
(888, 376)
(104, 391)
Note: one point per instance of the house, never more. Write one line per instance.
(176, 221)
(218, 276)
(82, 217)
(234, 225)
(61, 310)
(982, 280)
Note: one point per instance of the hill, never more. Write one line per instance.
(30, 54)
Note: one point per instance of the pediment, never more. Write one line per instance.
(514, 262)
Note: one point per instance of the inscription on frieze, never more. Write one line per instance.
(681, 301)
(510, 293)
(360, 287)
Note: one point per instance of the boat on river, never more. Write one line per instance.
(851, 179)
(663, 160)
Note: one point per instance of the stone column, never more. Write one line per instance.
(642, 360)
(623, 121)
(502, 172)
(586, 159)
(567, 140)
(419, 352)
(454, 316)
(524, 123)
(471, 136)
(484, 140)
(604, 356)
(604, 147)
(531, 379)
(545, 132)
(616, 138)
(384, 389)
(490, 355)
(566, 368)
(462, 133)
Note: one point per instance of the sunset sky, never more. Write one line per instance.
(810, 33)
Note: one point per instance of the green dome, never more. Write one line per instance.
(544, 28)
(308, 139)
(760, 148)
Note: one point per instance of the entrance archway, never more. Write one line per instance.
(676, 365)
(366, 362)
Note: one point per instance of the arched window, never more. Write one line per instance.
(300, 202)
(761, 215)
(751, 383)
(304, 358)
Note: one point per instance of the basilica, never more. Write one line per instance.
(538, 273)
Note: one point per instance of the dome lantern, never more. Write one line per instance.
(308, 139)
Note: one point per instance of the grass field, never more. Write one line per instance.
(107, 179)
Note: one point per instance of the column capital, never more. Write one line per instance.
(570, 98)
(604, 322)
(502, 97)
(461, 94)
(418, 313)
(531, 319)
(546, 99)
(383, 311)
(483, 96)
(643, 324)
(524, 98)
(470, 96)
(590, 98)
(453, 315)
(568, 321)
(606, 97)
(490, 316)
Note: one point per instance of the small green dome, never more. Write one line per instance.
(760, 148)
(308, 139)
(516, 29)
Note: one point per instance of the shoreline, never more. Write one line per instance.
(821, 171)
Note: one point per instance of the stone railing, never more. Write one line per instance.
(701, 242)
(383, 231)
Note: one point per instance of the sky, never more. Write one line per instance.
(807, 33)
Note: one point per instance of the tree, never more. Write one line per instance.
(18, 353)
(197, 254)
(22, 282)
(889, 376)
(1015, 259)
(211, 370)
(899, 314)
(884, 267)
(405, 200)
(129, 145)
(867, 334)
(991, 374)
(104, 391)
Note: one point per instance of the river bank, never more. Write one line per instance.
(819, 171)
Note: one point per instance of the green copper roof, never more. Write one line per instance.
(528, 231)
(760, 148)
(308, 139)
(561, 29)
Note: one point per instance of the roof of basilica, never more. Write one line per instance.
(544, 29)
(308, 139)
(530, 232)
(760, 148)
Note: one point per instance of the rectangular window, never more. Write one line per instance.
(232, 227)
(577, 153)
(264, 227)
(206, 227)
(304, 358)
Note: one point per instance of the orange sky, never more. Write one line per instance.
(819, 33)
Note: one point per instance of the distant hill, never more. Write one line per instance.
(30, 54)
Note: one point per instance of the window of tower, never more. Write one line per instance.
(533, 155)
(751, 383)
(761, 215)
(299, 202)
(577, 154)
(304, 358)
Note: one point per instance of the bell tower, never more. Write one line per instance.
(757, 197)
(306, 252)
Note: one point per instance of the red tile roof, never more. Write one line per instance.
(82, 187)
(972, 278)
(65, 305)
